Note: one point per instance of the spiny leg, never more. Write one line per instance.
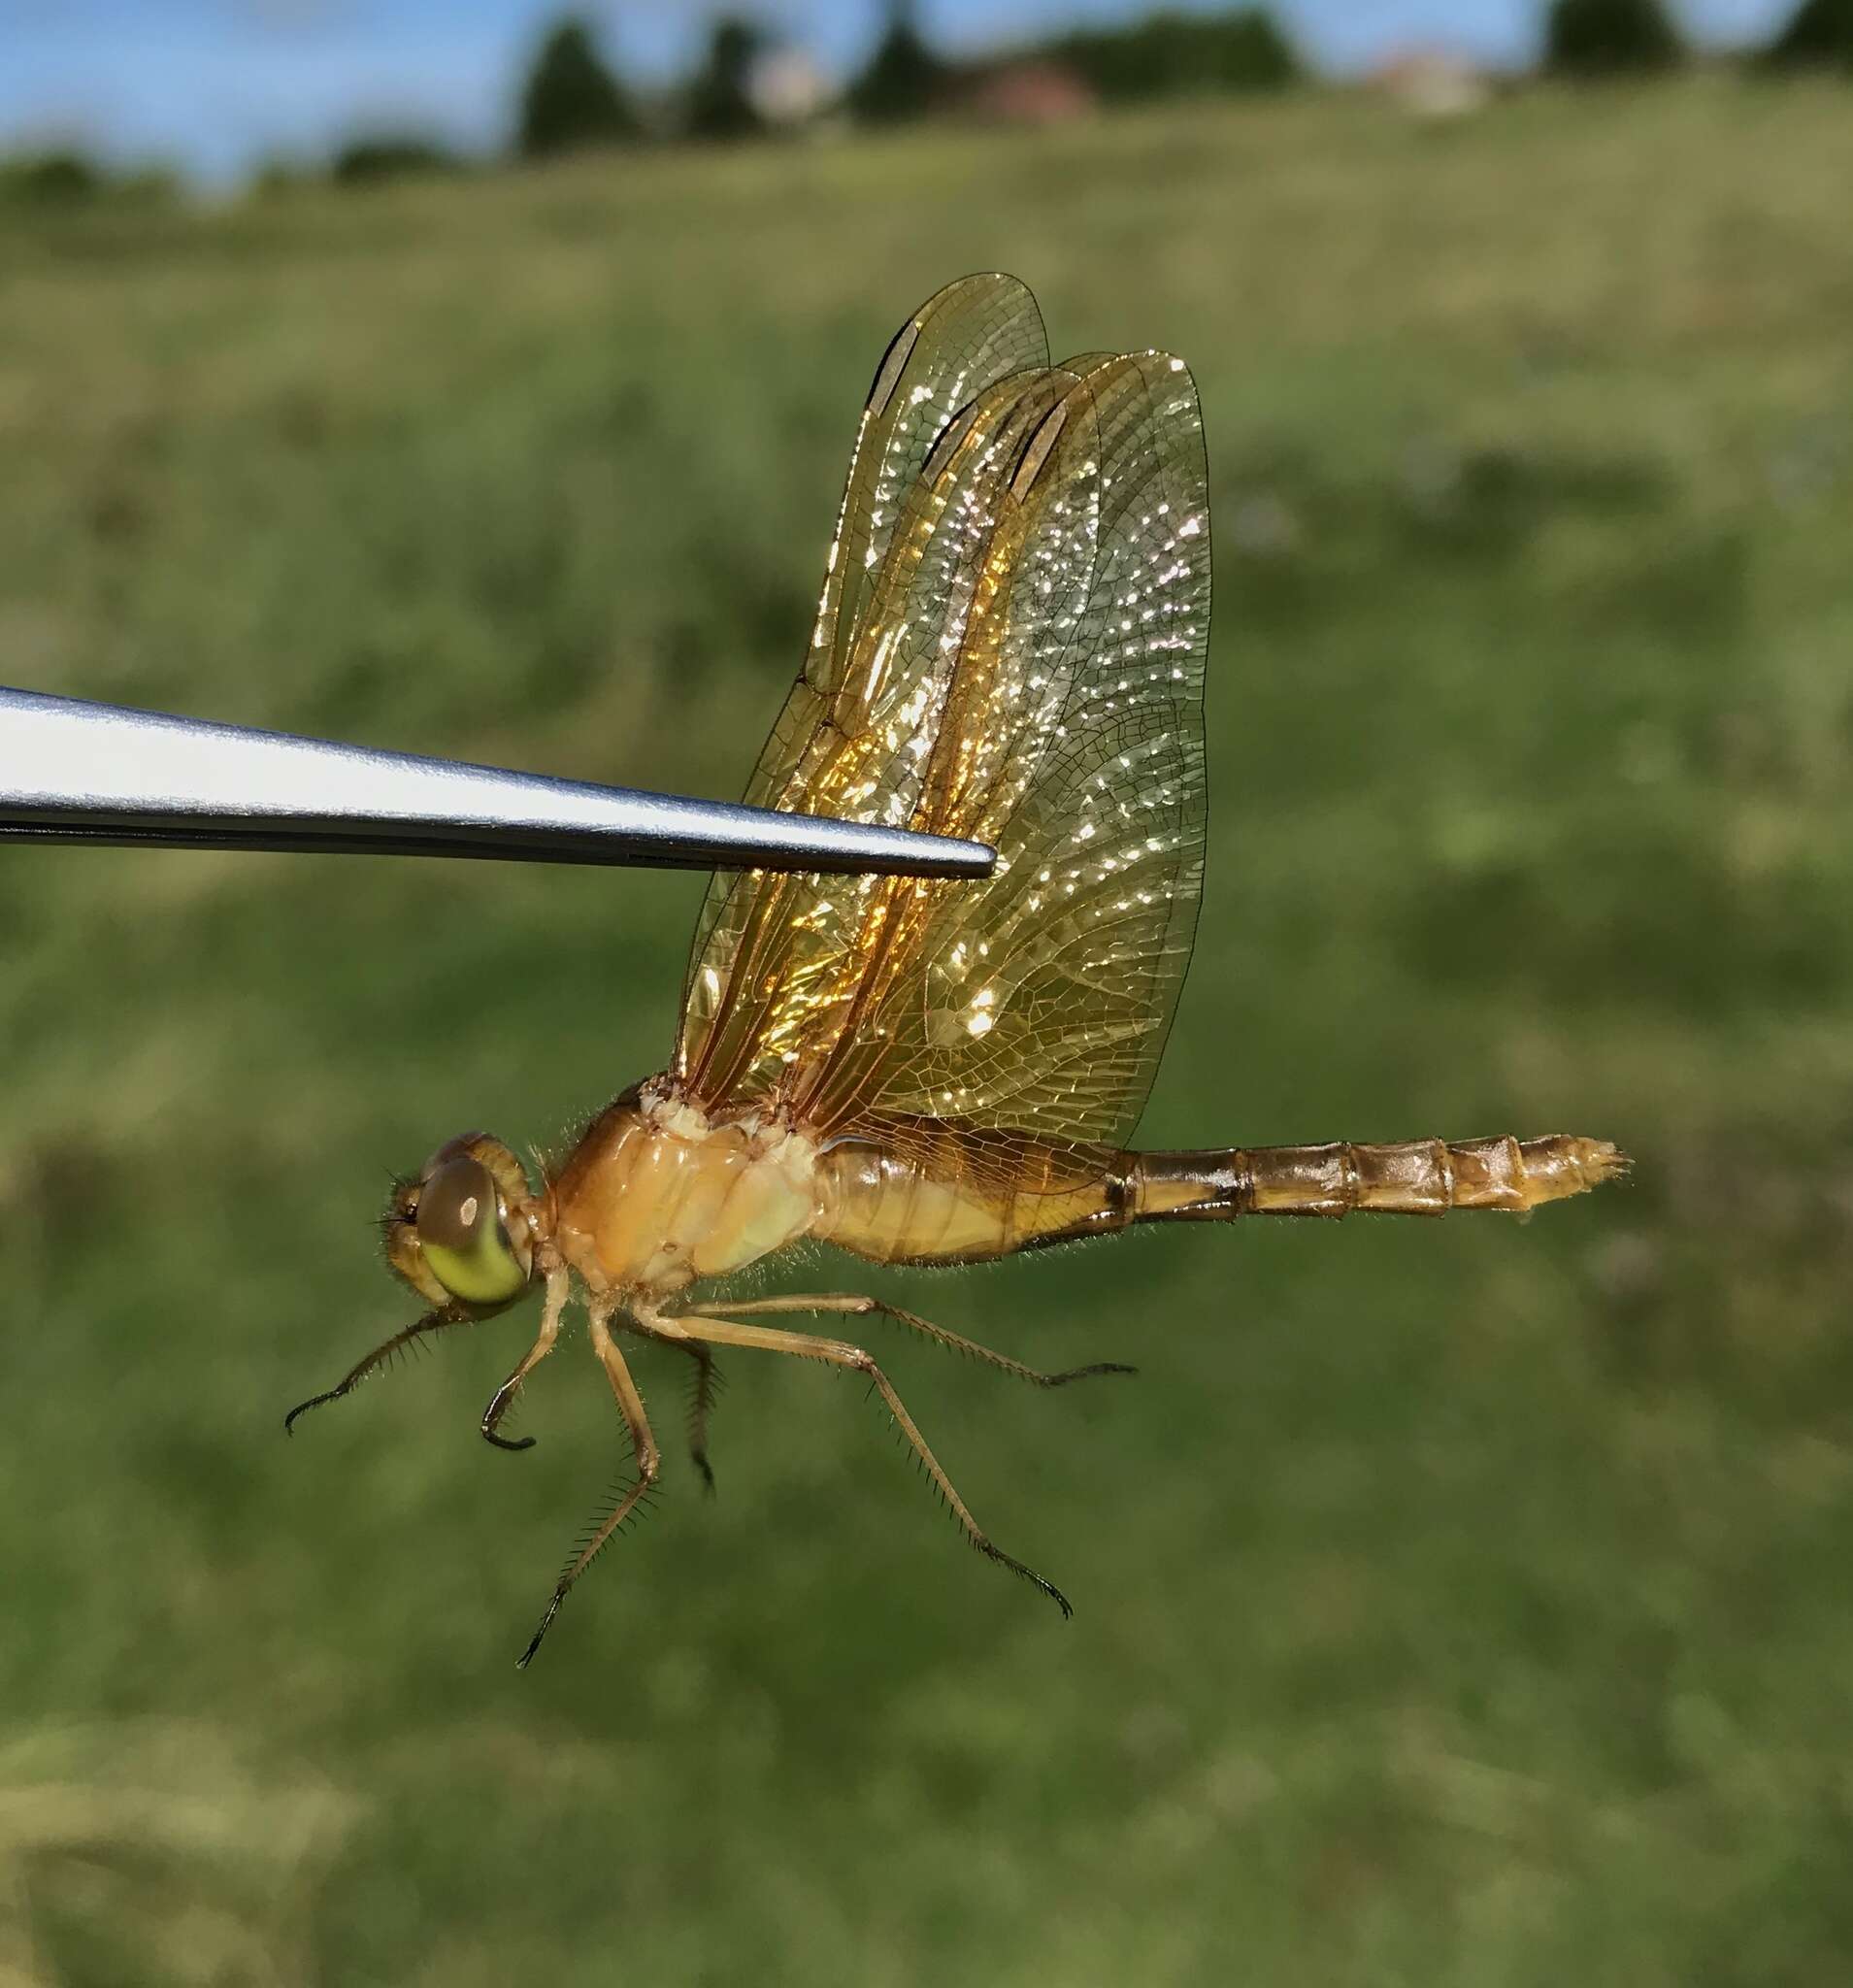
(382, 1356)
(557, 1286)
(701, 1401)
(648, 1464)
(843, 1301)
(723, 1332)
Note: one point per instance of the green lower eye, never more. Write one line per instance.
(461, 1234)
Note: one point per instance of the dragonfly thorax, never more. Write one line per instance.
(658, 1195)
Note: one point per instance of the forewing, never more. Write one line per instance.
(780, 971)
(969, 336)
(965, 339)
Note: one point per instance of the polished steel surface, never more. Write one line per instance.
(76, 772)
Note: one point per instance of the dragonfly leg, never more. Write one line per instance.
(725, 1332)
(382, 1356)
(701, 1401)
(557, 1285)
(648, 1466)
(858, 1307)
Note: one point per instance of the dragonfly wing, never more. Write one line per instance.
(1027, 668)
(966, 336)
(783, 967)
(969, 335)
(1039, 1000)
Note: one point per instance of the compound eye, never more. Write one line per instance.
(461, 1235)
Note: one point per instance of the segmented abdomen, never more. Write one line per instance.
(937, 1192)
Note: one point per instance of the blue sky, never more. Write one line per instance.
(214, 84)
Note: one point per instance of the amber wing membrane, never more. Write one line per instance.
(1026, 668)
(966, 337)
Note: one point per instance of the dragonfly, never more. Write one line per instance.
(1009, 646)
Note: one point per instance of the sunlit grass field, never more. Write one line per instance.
(1456, 1603)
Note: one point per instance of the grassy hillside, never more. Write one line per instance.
(1455, 1604)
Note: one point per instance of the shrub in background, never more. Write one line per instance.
(1176, 54)
(67, 178)
(390, 156)
(902, 77)
(570, 99)
(1819, 35)
(719, 102)
(1609, 37)
(51, 178)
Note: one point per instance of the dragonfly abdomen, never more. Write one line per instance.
(945, 1194)
(1418, 1176)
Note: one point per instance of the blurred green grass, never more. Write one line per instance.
(1457, 1604)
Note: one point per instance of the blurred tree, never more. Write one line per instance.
(1819, 35)
(570, 99)
(51, 177)
(149, 185)
(66, 178)
(390, 156)
(904, 75)
(719, 102)
(280, 177)
(1609, 37)
(1175, 54)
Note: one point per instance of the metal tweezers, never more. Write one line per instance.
(76, 772)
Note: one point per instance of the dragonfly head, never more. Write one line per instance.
(464, 1229)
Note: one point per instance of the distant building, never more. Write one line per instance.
(787, 89)
(1433, 83)
(1021, 92)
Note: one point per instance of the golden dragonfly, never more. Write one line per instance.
(1010, 646)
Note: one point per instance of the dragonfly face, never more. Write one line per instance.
(1009, 646)
(463, 1232)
